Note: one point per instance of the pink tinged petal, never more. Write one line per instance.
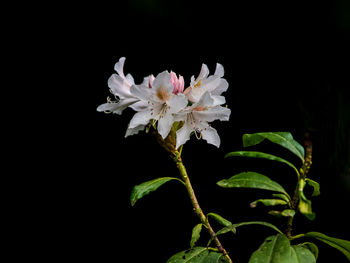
(151, 80)
(132, 131)
(118, 86)
(178, 83)
(219, 71)
(118, 67)
(141, 92)
(173, 80)
(181, 84)
(177, 103)
(183, 135)
(212, 114)
(140, 118)
(211, 136)
(165, 122)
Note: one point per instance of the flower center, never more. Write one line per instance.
(199, 108)
(162, 94)
(163, 110)
(197, 85)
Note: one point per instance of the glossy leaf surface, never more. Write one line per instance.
(277, 249)
(252, 154)
(197, 255)
(219, 219)
(234, 226)
(315, 185)
(145, 188)
(312, 247)
(252, 180)
(284, 139)
(268, 202)
(196, 231)
(340, 244)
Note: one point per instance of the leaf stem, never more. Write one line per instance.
(197, 209)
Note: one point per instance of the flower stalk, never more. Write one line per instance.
(196, 207)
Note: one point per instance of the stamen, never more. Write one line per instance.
(196, 132)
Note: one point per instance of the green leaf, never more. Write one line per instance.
(252, 180)
(340, 244)
(285, 213)
(284, 139)
(305, 206)
(312, 247)
(232, 228)
(228, 226)
(306, 209)
(197, 255)
(303, 255)
(268, 202)
(196, 231)
(251, 154)
(315, 185)
(258, 223)
(219, 219)
(283, 197)
(288, 213)
(277, 249)
(145, 188)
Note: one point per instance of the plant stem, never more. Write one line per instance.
(197, 209)
(303, 171)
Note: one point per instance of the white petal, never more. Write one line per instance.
(211, 83)
(206, 100)
(219, 71)
(181, 116)
(163, 80)
(117, 107)
(109, 106)
(139, 106)
(118, 67)
(218, 100)
(222, 87)
(203, 73)
(211, 136)
(164, 124)
(140, 118)
(141, 92)
(177, 102)
(211, 114)
(118, 86)
(132, 131)
(183, 135)
(130, 79)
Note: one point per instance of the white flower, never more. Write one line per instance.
(196, 118)
(120, 85)
(214, 84)
(161, 105)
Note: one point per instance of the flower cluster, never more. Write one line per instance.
(162, 100)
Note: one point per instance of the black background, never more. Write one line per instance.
(287, 64)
